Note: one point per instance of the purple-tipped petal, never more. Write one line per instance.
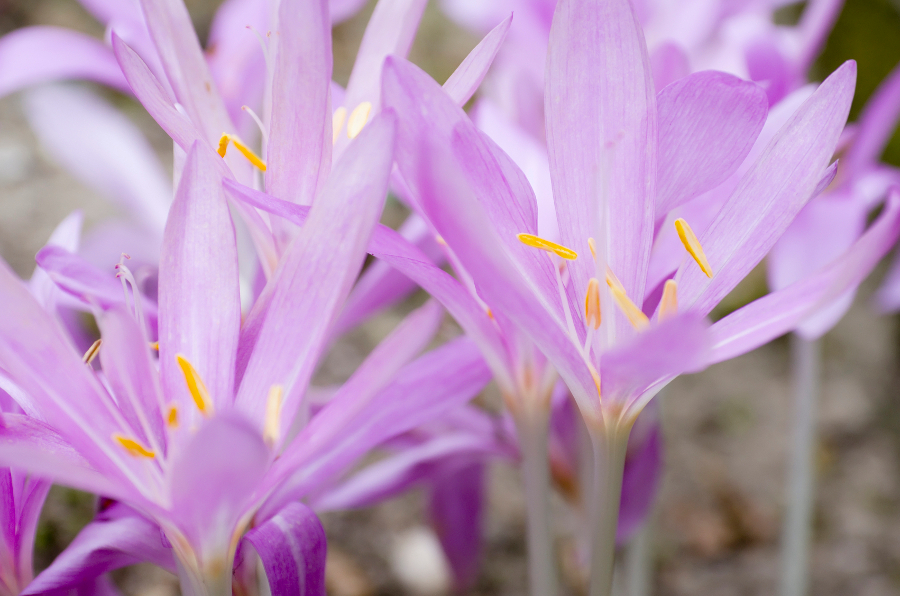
(200, 307)
(154, 97)
(281, 338)
(639, 484)
(601, 135)
(467, 77)
(457, 506)
(299, 148)
(117, 538)
(36, 55)
(777, 313)
(708, 122)
(185, 65)
(292, 548)
(770, 195)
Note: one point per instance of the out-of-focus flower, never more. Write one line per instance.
(834, 220)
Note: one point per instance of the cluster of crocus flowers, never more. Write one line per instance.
(193, 414)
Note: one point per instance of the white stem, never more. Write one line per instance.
(639, 560)
(610, 445)
(532, 428)
(797, 529)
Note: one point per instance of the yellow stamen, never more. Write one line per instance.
(613, 282)
(223, 144)
(596, 376)
(668, 304)
(92, 352)
(172, 416)
(592, 303)
(195, 385)
(538, 242)
(490, 313)
(689, 239)
(155, 346)
(358, 119)
(593, 248)
(133, 447)
(634, 315)
(337, 123)
(273, 415)
(251, 157)
(440, 240)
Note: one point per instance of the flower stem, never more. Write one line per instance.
(797, 529)
(639, 560)
(610, 444)
(532, 428)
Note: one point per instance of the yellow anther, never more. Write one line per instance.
(337, 123)
(251, 157)
(538, 242)
(273, 415)
(133, 447)
(689, 239)
(593, 248)
(634, 315)
(440, 240)
(195, 385)
(358, 118)
(613, 282)
(172, 416)
(490, 313)
(92, 352)
(154, 346)
(223, 144)
(592, 303)
(668, 304)
(596, 376)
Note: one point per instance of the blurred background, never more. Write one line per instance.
(716, 525)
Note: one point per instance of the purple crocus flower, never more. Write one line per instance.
(609, 193)
(203, 447)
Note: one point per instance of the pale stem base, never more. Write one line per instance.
(532, 428)
(610, 445)
(797, 529)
